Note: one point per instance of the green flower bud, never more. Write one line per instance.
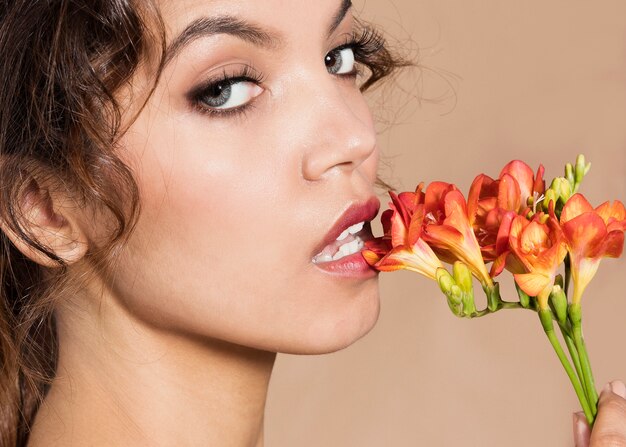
(559, 280)
(463, 276)
(448, 286)
(558, 299)
(575, 314)
(556, 183)
(581, 169)
(569, 173)
(565, 190)
(524, 299)
(456, 294)
(549, 196)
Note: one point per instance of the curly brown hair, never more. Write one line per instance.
(63, 62)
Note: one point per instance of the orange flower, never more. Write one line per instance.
(402, 246)
(447, 229)
(538, 250)
(530, 186)
(591, 234)
(493, 204)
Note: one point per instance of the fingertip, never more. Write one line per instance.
(581, 430)
(618, 387)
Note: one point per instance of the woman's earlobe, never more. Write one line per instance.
(52, 221)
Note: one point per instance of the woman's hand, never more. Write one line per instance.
(609, 429)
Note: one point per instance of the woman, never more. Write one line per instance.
(185, 190)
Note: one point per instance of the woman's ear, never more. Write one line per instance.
(52, 220)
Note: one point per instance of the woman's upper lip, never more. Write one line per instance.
(355, 213)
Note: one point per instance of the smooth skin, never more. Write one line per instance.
(175, 343)
(609, 429)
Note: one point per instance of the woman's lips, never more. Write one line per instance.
(352, 228)
(351, 266)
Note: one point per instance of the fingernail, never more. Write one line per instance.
(581, 430)
(618, 388)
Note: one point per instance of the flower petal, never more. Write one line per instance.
(474, 196)
(420, 259)
(417, 225)
(575, 206)
(434, 195)
(498, 264)
(585, 235)
(613, 212)
(533, 238)
(509, 194)
(502, 239)
(532, 283)
(399, 232)
(614, 244)
(540, 185)
(521, 172)
(371, 257)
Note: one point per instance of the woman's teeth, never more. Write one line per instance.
(353, 244)
(349, 248)
(354, 229)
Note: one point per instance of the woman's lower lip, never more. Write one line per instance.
(351, 266)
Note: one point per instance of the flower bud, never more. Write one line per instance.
(565, 190)
(457, 294)
(550, 196)
(463, 276)
(558, 299)
(448, 286)
(524, 299)
(569, 173)
(558, 280)
(575, 314)
(562, 188)
(581, 169)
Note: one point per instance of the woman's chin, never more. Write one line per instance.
(338, 331)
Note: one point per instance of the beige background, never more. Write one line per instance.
(536, 80)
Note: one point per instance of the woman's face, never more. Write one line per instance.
(242, 180)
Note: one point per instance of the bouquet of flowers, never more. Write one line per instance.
(552, 241)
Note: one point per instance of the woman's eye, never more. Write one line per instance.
(340, 61)
(230, 93)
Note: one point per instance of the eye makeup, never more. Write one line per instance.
(365, 44)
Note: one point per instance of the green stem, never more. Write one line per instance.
(511, 305)
(571, 374)
(568, 275)
(571, 347)
(586, 368)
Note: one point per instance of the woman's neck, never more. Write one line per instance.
(121, 383)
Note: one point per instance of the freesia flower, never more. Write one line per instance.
(591, 234)
(448, 231)
(402, 246)
(515, 223)
(530, 185)
(493, 204)
(539, 248)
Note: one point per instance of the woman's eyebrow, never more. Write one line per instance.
(208, 26)
(250, 32)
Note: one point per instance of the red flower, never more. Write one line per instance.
(493, 204)
(402, 246)
(447, 229)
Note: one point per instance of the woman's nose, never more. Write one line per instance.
(342, 134)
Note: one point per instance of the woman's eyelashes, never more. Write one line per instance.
(232, 93)
(229, 93)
